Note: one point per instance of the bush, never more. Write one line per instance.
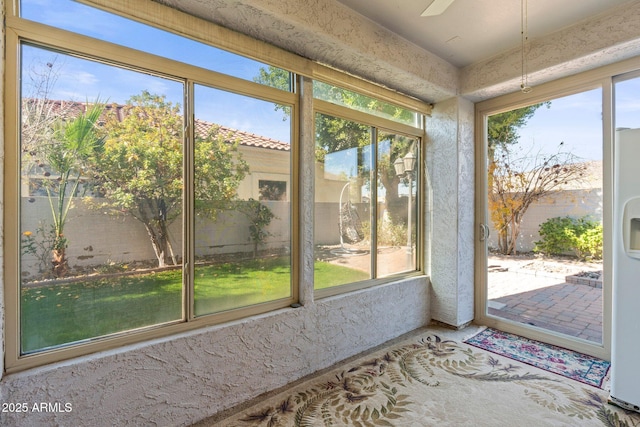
(561, 235)
(389, 234)
(589, 243)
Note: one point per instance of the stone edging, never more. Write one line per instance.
(580, 280)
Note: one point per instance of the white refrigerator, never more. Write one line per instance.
(625, 345)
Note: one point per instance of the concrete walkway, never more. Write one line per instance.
(536, 293)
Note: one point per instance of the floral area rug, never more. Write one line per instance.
(577, 366)
(433, 379)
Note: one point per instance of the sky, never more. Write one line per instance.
(627, 103)
(81, 80)
(576, 121)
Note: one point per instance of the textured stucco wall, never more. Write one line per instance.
(181, 379)
(451, 169)
(601, 40)
(330, 33)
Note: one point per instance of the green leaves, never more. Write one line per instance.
(561, 235)
(140, 166)
(66, 154)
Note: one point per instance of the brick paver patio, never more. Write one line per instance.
(545, 299)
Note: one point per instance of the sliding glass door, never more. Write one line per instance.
(543, 220)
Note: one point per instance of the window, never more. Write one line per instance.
(366, 200)
(153, 188)
(89, 21)
(86, 261)
(134, 211)
(357, 101)
(241, 257)
(272, 190)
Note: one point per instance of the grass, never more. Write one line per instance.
(327, 275)
(58, 314)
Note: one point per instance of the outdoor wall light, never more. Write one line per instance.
(398, 165)
(409, 162)
(404, 165)
(404, 169)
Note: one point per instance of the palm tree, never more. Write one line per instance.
(73, 142)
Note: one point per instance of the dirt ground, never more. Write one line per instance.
(560, 266)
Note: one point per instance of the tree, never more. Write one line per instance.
(65, 154)
(140, 170)
(334, 134)
(39, 113)
(516, 183)
(56, 139)
(502, 128)
(502, 135)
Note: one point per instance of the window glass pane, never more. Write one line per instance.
(367, 104)
(343, 202)
(242, 238)
(397, 188)
(82, 19)
(101, 200)
(545, 205)
(627, 106)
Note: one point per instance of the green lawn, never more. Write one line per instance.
(327, 275)
(63, 313)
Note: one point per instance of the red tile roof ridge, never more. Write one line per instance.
(244, 138)
(248, 138)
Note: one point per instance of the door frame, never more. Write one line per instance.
(601, 78)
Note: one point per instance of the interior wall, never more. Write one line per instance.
(451, 172)
(181, 379)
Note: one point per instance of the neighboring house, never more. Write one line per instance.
(268, 159)
(268, 181)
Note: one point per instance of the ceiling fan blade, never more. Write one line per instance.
(436, 7)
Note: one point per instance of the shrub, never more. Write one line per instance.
(589, 243)
(561, 235)
(389, 234)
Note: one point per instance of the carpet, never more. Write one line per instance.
(431, 379)
(577, 366)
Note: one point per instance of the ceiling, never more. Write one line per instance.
(469, 31)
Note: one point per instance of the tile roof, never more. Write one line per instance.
(202, 127)
(244, 138)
